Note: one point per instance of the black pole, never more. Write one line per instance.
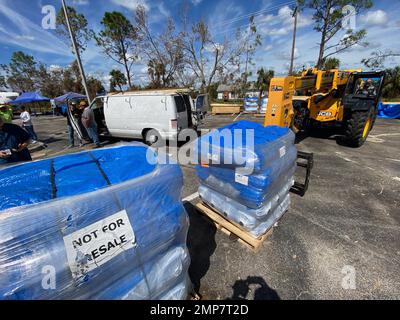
(295, 14)
(75, 47)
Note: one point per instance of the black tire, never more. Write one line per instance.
(358, 127)
(374, 118)
(152, 137)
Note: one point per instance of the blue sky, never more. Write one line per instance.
(20, 29)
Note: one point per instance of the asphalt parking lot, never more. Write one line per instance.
(347, 226)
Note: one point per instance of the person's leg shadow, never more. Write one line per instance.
(241, 290)
(201, 244)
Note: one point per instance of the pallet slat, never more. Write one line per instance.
(230, 227)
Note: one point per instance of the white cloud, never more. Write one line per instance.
(375, 18)
(54, 67)
(80, 2)
(144, 70)
(24, 33)
(196, 2)
(268, 47)
(286, 55)
(281, 23)
(131, 4)
(163, 10)
(223, 15)
(25, 37)
(276, 31)
(266, 18)
(213, 47)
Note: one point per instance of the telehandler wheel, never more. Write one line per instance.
(359, 126)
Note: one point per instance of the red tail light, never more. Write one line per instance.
(174, 124)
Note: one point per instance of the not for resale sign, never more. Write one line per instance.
(94, 245)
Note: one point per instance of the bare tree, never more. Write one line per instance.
(208, 59)
(163, 51)
(378, 58)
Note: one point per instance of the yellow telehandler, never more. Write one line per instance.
(348, 99)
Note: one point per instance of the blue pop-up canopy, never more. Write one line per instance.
(69, 96)
(29, 97)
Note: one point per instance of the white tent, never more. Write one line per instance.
(6, 97)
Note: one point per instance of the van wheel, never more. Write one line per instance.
(152, 137)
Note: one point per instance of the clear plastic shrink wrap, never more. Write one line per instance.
(103, 224)
(244, 144)
(250, 190)
(257, 199)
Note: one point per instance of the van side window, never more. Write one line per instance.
(180, 104)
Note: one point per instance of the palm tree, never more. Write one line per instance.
(264, 78)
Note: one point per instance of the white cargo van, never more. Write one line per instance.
(150, 114)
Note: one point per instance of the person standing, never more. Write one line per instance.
(27, 124)
(89, 123)
(74, 115)
(14, 142)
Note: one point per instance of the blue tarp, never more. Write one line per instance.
(68, 96)
(29, 97)
(232, 141)
(44, 202)
(389, 110)
(257, 186)
(71, 174)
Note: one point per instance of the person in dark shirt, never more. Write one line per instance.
(14, 142)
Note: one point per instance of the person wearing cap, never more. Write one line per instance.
(370, 88)
(6, 113)
(14, 142)
(89, 122)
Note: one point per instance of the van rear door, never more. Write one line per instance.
(181, 112)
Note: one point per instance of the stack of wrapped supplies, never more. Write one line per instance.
(251, 104)
(248, 181)
(103, 224)
(264, 104)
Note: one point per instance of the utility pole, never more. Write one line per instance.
(295, 14)
(75, 47)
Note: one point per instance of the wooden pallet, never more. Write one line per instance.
(232, 229)
(220, 108)
(259, 115)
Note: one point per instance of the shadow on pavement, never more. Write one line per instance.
(262, 291)
(322, 133)
(201, 244)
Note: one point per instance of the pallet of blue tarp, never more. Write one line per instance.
(253, 192)
(251, 104)
(62, 215)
